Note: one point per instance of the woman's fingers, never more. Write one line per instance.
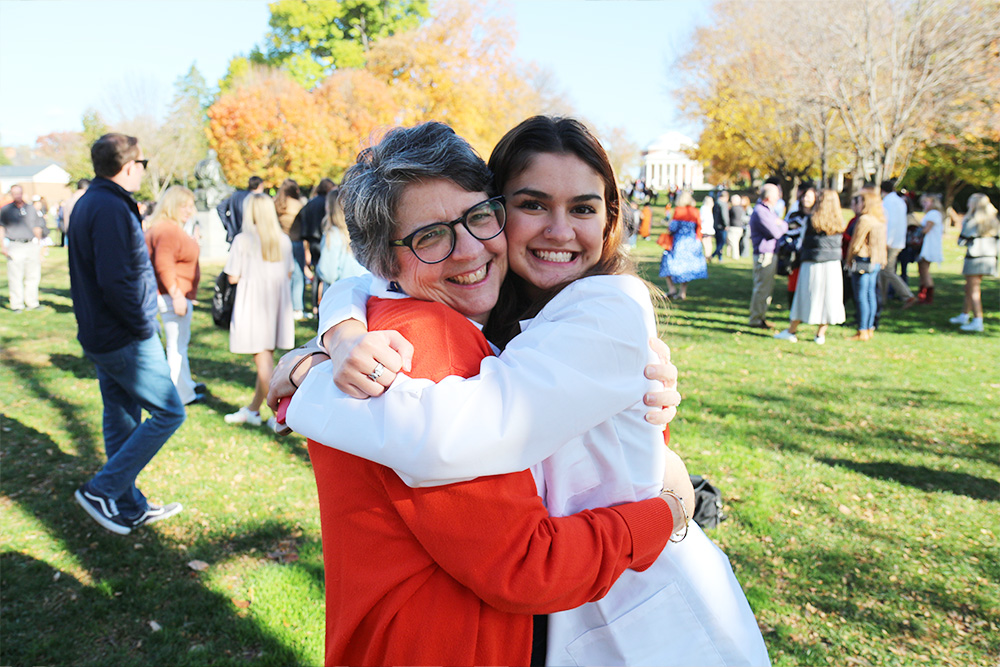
(665, 373)
(662, 416)
(666, 398)
(402, 347)
(661, 349)
(372, 364)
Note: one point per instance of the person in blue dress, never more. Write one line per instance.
(684, 260)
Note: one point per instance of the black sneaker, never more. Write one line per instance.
(103, 510)
(156, 513)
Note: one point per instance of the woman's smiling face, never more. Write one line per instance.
(469, 279)
(556, 215)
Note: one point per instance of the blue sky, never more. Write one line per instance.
(53, 64)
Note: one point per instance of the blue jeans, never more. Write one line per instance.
(864, 287)
(298, 277)
(134, 378)
(720, 243)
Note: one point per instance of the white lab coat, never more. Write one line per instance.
(564, 398)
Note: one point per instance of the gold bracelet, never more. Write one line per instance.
(299, 363)
(687, 519)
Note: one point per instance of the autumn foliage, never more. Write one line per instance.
(456, 68)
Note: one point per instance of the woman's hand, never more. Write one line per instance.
(282, 381)
(667, 400)
(180, 304)
(676, 479)
(357, 353)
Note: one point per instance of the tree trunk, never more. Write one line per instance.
(952, 184)
(858, 178)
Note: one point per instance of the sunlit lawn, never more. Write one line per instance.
(860, 481)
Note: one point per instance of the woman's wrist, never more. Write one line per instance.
(302, 367)
(679, 512)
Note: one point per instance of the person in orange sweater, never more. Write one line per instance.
(174, 255)
(646, 221)
(451, 575)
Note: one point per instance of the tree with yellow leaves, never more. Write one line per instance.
(458, 68)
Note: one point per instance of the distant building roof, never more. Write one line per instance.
(24, 172)
(671, 142)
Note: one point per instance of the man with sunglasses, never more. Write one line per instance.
(114, 299)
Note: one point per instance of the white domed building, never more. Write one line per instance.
(665, 164)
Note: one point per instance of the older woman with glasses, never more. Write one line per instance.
(451, 574)
(562, 398)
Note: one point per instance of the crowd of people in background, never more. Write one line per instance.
(870, 252)
(131, 265)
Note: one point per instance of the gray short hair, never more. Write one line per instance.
(372, 187)
(770, 191)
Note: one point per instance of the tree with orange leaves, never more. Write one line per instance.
(458, 68)
(270, 126)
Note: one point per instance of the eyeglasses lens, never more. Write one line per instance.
(435, 243)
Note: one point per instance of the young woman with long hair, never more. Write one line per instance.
(260, 265)
(866, 255)
(931, 250)
(980, 232)
(819, 292)
(336, 260)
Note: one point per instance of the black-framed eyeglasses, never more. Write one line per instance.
(435, 242)
(142, 162)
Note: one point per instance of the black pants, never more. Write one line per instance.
(539, 640)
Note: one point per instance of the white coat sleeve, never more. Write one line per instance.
(577, 364)
(344, 300)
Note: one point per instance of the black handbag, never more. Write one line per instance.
(707, 503)
(861, 265)
(222, 301)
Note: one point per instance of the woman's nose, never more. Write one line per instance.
(559, 228)
(466, 245)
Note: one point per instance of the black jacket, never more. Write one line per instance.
(818, 247)
(310, 220)
(720, 215)
(111, 278)
(230, 211)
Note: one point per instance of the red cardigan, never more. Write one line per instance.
(451, 575)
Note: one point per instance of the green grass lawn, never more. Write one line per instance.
(860, 481)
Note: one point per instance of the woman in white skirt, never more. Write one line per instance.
(981, 237)
(931, 250)
(819, 294)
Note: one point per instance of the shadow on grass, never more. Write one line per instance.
(81, 367)
(923, 478)
(820, 424)
(102, 615)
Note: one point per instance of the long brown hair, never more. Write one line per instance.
(827, 217)
(871, 204)
(288, 190)
(512, 155)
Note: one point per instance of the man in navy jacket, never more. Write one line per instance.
(230, 209)
(114, 299)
